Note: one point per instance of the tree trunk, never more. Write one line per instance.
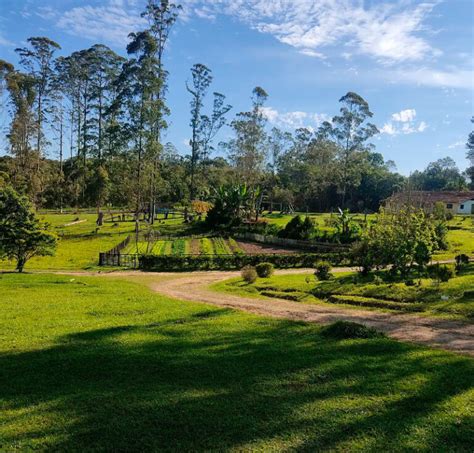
(20, 264)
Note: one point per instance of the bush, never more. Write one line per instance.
(249, 274)
(297, 228)
(442, 273)
(378, 280)
(323, 270)
(462, 260)
(342, 330)
(264, 270)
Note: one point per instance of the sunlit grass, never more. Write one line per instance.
(94, 364)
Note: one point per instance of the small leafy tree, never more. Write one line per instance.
(22, 235)
(401, 240)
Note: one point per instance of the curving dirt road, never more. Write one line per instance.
(445, 334)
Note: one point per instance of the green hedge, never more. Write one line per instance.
(231, 262)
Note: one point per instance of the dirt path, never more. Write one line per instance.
(445, 334)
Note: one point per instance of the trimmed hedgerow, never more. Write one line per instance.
(230, 262)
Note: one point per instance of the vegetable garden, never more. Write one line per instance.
(185, 246)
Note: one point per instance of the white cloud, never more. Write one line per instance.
(111, 23)
(458, 144)
(454, 78)
(404, 123)
(294, 120)
(387, 31)
(404, 116)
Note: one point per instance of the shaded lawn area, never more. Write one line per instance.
(452, 299)
(95, 363)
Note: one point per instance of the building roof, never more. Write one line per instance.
(425, 197)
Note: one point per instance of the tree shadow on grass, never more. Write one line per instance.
(208, 382)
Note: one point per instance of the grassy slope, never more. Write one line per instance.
(102, 364)
(428, 298)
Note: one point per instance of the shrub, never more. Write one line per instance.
(297, 228)
(342, 330)
(462, 260)
(264, 270)
(442, 273)
(378, 280)
(249, 274)
(323, 270)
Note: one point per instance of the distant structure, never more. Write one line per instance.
(454, 202)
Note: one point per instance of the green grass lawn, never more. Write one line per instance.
(80, 244)
(452, 299)
(101, 364)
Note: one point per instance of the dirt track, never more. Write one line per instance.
(454, 336)
(445, 334)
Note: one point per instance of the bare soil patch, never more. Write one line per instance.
(253, 248)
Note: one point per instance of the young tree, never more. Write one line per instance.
(22, 235)
(351, 132)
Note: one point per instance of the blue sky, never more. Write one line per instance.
(411, 60)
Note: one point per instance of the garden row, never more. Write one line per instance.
(186, 246)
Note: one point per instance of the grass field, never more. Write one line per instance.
(101, 364)
(453, 299)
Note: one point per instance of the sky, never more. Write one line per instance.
(412, 60)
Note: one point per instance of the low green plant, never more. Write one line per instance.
(264, 270)
(323, 270)
(344, 330)
(440, 272)
(249, 274)
(234, 246)
(462, 260)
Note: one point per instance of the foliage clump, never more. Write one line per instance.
(264, 270)
(441, 272)
(249, 274)
(345, 330)
(400, 240)
(462, 260)
(297, 228)
(323, 270)
(22, 235)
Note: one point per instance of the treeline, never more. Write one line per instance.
(87, 130)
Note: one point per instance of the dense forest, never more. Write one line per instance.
(86, 130)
